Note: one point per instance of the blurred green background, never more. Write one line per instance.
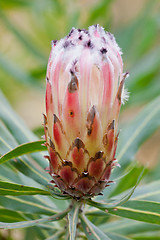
(28, 26)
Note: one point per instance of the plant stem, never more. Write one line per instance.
(73, 216)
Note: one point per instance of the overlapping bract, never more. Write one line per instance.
(83, 98)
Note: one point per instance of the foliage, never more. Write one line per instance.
(127, 209)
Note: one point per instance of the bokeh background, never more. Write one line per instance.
(28, 26)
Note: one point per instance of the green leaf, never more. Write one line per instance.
(27, 204)
(128, 181)
(114, 236)
(92, 232)
(111, 204)
(10, 216)
(147, 93)
(12, 189)
(24, 165)
(25, 224)
(18, 129)
(56, 193)
(22, 149)
(147, 236)
(149, 191)
(145, 67)
(133, 135)
(144, 211)
(56, 236)
(35, 233)
(27, 168)
(7, 141)
(73, 219)
(128, 227)
(9, 175)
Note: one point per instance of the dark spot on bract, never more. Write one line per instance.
(89, 44)
(78, 143)
(103, 50)
(85, 31)
(110, 35)
(55, 118)
(104, 40)
(66, 44)
(67, 163)
(73, 84)
(111, 125)
(51, 144)
(99, 154)
(119, 93)
(71, 113)
(72, 30)
(90, 119)
(54, 42)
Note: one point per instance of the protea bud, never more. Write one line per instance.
(83, 98)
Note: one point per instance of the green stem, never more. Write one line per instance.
(73, 218)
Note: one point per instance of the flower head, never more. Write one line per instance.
(84, 92)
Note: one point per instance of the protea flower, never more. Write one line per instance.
(83, 98)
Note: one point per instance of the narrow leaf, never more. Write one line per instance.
(17, 128)
(150, 192)
(10, 216)
(31, 223)
(114, 236)
(56, 236)
(146, 66)
(25, 165)
(7, 188)
(22, 149)
(27, 204)
(136, 133)
(92, 232)
(56, 193)
(128, 227)
(127, 181)
(144, 211)
(147, 236)
(141, 128)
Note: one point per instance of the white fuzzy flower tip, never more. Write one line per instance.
(84, 89)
